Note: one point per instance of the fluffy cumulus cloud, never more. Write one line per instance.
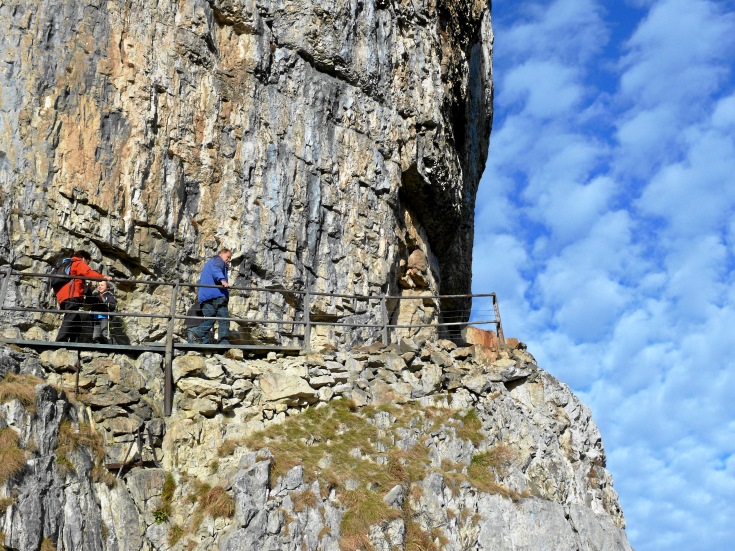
(606, 224)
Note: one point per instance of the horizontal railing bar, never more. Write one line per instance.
(351, 325)
(239, 320)
(337, 295)
(236, 288)
(454, 323)
(236, 320)
(268, 289)
(89, 312)
(148, 347)
(134, 281)
(135, 315)
(417, 297)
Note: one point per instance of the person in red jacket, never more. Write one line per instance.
(71, 297)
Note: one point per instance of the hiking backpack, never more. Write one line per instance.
(57, 279)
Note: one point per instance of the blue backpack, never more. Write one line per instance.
(62, 268)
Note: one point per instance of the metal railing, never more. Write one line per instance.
(301, 305)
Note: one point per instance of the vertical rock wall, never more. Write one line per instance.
(322, 142)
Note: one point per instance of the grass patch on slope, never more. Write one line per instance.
(12, 457)
(344, 448)
(72, 439)
(21, 388)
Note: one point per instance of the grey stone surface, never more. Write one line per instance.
(282, 129)
(564, 495)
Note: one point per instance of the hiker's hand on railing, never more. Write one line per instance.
(224, 284)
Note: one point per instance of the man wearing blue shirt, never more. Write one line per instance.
(213, 299)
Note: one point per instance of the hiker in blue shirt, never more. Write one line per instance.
(213, 299)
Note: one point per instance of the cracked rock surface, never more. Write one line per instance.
(323, 143)
(445, 463)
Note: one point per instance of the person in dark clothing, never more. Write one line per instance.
(103, 301)
(214, 300)
(71, 297)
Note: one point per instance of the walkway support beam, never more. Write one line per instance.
(168, 385)
(307, 320)
(6, 282)
(384, 318)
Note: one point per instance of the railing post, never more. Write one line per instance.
(307, 319)
(384, 317)
(6, 282)
(76, 378)
(168, 384)
(501, 337)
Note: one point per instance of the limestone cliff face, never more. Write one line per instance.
(322, 142)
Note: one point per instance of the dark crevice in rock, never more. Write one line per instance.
(335, 73)
(510, 385)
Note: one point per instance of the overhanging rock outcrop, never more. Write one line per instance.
(419, 444)
(322, 143)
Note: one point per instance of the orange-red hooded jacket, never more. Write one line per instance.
(75, 287)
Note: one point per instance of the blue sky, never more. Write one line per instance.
(606, 224)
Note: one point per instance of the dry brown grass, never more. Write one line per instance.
(471, 427)
(338, 430)
(12, 458)
(355, 542)
(20, 387)
(5, 503)
(501, 455)
(304, 500)
(365, 508)
(211, 501)
(70, 440)
(169, 487)
(174, 534)
(417, 539)
(227, 448)
(47, 545)
(217, 503)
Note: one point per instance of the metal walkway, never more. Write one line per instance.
(377, 319)
(152, 347)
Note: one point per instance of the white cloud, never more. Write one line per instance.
(696, 194)
(675, 55)
(571, 209)
(549, 89)
(615, 228)
(723, 117)
(571, 30)
(498, 265)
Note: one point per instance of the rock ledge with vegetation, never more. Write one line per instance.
(411, 446)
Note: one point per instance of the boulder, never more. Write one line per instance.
(276, 386)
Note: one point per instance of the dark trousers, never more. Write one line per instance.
(213, 308)
(72, 325)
